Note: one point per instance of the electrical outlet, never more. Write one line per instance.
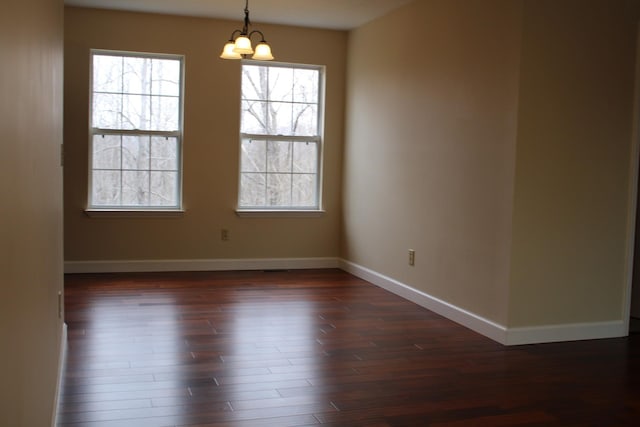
(412, 257)
(224, 234)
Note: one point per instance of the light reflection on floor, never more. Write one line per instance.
(159, 355)
(132, 346)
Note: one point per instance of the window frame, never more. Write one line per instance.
(287, 211)
(124, 211)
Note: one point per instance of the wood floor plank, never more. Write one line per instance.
(309, 347)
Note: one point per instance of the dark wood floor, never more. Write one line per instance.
(316, 347)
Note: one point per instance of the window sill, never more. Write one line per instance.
(124, 213)
(272, 213)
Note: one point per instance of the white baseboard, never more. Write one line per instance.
(497, 332)
(472, 321)
(131, 266)
(61, 358)
(486, 327)
(566, 332)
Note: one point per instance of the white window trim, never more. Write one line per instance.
(290, 212)
(137, 213)
(279, 213)
(104, 211)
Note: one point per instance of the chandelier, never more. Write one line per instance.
(239, 44)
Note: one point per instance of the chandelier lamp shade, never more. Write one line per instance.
(239, 44)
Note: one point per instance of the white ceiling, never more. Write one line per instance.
(332, 14)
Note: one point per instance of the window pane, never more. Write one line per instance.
(135, 188)
(106, 152)
(136, 75)
(123, 88)
(305, 157)
(164, 189)
(139, 186)
(279, 156)
(253, 189)
(280, 118)
(135, 152)
(107, 73)
(304, 190)
(165, 113)
(136, 112)
(279, 189)
(254, 117)
(253, 157)
(107, 110)
(165, 77)
(254, 82)
(305, 88)
(305, 119)
(164, 153)
(106, 188)
(281, 84)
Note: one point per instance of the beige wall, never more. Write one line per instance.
(429, 159)
(573, 157)
(31, 212)
(496, 144)
(210, 142)
(498, 148)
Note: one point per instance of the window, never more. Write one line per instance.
(281, 127)
(135, 131)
